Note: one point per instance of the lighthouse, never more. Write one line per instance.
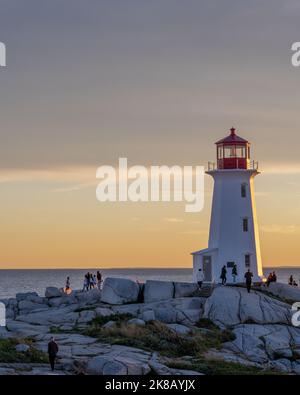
(233, 235)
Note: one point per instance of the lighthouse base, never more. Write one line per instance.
(211, 262)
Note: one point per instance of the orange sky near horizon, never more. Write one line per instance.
(53, 220)
(157, 82)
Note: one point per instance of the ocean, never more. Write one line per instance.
(14, 281)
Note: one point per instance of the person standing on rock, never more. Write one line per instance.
(248, 277)
(223, 275)
(68, 284)
(99, 279)
(234, 273)
(200, 278)
(52, 352)
(85, 283)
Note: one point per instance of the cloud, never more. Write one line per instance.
(281, 168)
(173, 220)
(195, 232)
(280, 229)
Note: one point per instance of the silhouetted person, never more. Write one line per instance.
(248, 277)
(269, 279)
(274, 277)
(200, 278)
(291, 280)
(85, 283)
(52, 352)
(99, 279)
(223, 275)
(68, 284)
(234, 273)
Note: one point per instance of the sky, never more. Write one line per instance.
(157, 82)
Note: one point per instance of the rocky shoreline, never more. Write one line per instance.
(153, 328)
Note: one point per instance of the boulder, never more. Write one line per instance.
(25, 295)
(63, 315)
(86, 316)
(147, 316)
(162, 370)
(89, 297)
(229, 306)
(132, 309)
(136, 321)
(158, 290)
(109, 324)
(284, 291)
(296, 367)
(249, 343)
(103, 312)
(180, 329)
(22, 347)
(119, 291)
(166, 315)
(27, 305)
(185, 289)
(53, 292)
(102, 365)
(23, 329)
(261, 343)
(4, 333)
(282, 365)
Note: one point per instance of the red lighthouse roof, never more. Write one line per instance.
(232, 139)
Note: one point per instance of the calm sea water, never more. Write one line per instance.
(13, 281)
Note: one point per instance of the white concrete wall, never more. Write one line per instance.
(226, 228)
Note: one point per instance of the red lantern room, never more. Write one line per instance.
(233, 152)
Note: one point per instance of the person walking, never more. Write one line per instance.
(248, 276)
(52, 352)
(291, 280)
(99, 279)
(223, 275)
(234, 273)
(200, 278)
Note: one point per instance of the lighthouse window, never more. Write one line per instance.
(243, 190)
(229, 152)
(247, 260)
(220, 152)
(245, 224)
(240, 152)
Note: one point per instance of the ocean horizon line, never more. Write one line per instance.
(131, 268)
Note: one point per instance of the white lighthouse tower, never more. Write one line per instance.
(233, 236)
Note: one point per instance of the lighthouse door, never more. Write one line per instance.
(207, 268)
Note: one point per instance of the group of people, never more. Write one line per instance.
(292, 281)
(92, 281)
(248, 276)
(272, 278)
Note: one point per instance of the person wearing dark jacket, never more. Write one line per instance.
(248, 277)
(52, 352)
(223, 276)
